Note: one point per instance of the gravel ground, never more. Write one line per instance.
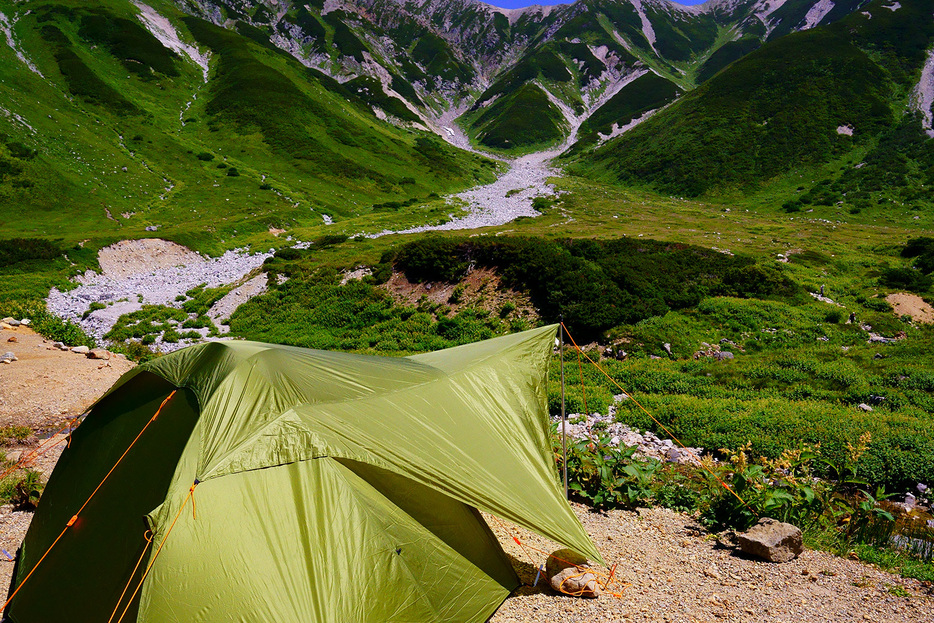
(229, 303)
(489, 205)
(46, 386)
(669, 569)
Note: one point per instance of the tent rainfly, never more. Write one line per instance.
(293, 485)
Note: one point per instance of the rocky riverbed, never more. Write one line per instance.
(146, 272)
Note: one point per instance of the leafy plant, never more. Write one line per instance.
(22, 490)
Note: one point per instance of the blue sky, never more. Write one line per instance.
(515, 4)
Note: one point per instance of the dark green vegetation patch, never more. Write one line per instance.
(521, 119)
(134, 46)
(729, 52)
(81, 79)
(595, 284)
(14, 250)
(645, 93)
(768, 113)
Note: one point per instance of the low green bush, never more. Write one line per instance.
(10, 435)
(907, 278)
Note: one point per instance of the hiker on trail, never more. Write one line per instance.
(822, 289)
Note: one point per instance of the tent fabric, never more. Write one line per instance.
(332, 486)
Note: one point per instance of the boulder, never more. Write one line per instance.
(568, 573)
(8, 356)
(98, 353)
(59, 346)
(723, 355)
(4, 325)
(25, 322)
(864, 407)
(13, 322)
(81, 350)
(12, 338)
(772, 540)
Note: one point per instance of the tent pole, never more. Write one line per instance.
(564, 425)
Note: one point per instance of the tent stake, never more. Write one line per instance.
(564, 424)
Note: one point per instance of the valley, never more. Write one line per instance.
(674, 183)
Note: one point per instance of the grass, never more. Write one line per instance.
(14, 434)
(109, 169)
(733, 131)
(524, 119)
(645, 93)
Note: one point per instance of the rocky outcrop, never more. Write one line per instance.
(772, 540)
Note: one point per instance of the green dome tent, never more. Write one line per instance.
(292, 485)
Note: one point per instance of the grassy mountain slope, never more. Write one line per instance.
(523, 119)
(114, 132)
(777, 108)
(645, 93)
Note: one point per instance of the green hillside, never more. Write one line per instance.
(800, 100)
(115, 132)
(645, 93)
(523, 119)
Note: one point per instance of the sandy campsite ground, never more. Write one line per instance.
(669, 568)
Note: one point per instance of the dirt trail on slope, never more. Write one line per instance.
(670, 568)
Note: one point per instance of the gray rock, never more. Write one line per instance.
(864, 407)
(25, 322)
(59, 345)
(8, 356)
(723, 355)
(13, 322)
(98, 353)
(667, 348)
(568, 573)
(772, 540)
(81, 350)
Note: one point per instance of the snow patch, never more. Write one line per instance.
(817, 13)
(893, 7)
(124, 287)
(163, 30)
(765, 10)
(922, 97)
